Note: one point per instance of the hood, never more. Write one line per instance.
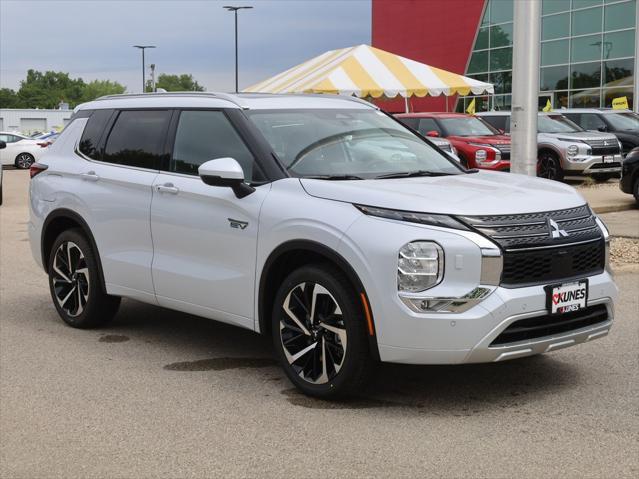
(488, 139)
(482, 193)
(582, 135)
(628, 136)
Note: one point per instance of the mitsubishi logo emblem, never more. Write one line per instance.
(555, 230)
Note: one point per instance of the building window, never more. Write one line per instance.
(555, 26)
(620, 15)
(555, 52)
(586, 21)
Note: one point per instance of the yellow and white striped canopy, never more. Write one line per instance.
(366, 71)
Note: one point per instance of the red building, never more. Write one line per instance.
(440, 33)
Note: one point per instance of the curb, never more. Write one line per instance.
(613, 208)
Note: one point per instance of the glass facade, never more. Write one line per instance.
(587, 53)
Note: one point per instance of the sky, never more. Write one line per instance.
(93, 39)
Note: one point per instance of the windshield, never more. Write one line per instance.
(467, 126)
(556, 124)
(623, 121)
(347, 144)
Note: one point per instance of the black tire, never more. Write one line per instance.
(635, 190)
(549, 166)
(86, 304)
(336, 379)
(24, 161)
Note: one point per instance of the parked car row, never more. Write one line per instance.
(21, 151)
(595, 147)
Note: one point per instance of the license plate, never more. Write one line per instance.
(566, 297)
(608, 159)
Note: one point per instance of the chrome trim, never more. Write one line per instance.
(563, 245)
(438, 304)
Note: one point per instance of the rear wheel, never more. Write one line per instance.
(549, 166)
(319, 332)
(24, 161)
(74, 282)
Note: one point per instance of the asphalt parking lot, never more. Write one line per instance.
(164, 394)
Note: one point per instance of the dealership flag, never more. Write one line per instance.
(620, 103)
(548, 106)
(471, 107)
(366, 71)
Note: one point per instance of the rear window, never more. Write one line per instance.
(90, 141)
(137, 138)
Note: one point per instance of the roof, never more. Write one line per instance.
(592, 110)
(432, 114)
(508, 113)
(248, 101)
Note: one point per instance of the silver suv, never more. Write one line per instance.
(567, 149)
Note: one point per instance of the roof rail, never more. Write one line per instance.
(222, 96)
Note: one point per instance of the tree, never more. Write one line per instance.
(98, 88)
(9, 98)
(182, 82)
(47, 90)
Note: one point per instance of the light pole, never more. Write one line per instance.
(234, 10)
(143, 47)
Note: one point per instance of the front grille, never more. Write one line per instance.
(598, 166)
(549, 325)
(533, 256)
(603, 147)
(504, 150)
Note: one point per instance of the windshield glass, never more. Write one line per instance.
(467, 126)
(623, 121)
(346, 144)
(556, 124)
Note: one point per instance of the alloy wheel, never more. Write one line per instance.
(313, 333)
(24, 160)
(70, 277)
(548, 168)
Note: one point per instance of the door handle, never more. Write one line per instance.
(90, 176)
(167, 188)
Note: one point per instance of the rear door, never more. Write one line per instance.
(124, 149)
(204, 237)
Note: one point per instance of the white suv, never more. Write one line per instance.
(320, 221)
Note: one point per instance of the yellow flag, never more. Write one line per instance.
(620, 103)
(548, 106)
(471, 108)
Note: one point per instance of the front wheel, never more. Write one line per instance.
(319, 332)
(549, 166)
(24, 161)
(635, 191)
(74, 282)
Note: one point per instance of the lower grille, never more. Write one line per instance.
(606, 150)
(548, 325)
(527, 268)
(598, 166)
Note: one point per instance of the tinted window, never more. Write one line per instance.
(498, 122)
(410, 122)
(90, 141)
(590, 121)
(137, 139)
(428, 124)
(206, 135)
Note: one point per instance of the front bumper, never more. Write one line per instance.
(588, 165)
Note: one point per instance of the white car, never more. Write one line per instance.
(319, 221)
(21, 151)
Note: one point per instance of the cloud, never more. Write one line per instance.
(92, 39)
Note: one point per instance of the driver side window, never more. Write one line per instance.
(204, 135)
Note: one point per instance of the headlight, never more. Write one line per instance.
(572, 150)
(442, 221)
(420, 266)
(481, 155)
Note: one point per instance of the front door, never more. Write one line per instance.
(204, 237)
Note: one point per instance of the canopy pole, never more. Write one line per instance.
(406, 104)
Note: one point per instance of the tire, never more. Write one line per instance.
(345, 345)
(24, 161)
(76, 291)
(635, 190)
(549, 166)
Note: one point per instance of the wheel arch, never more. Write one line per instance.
(292, 254)
(60, 220)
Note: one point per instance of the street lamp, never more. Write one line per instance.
(143, 47)
(234, 10)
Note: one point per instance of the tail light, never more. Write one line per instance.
(37, 168)
(44, 144)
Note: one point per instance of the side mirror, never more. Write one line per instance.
(2, 145)
(433, 133)
(225, 172)
(602, 129)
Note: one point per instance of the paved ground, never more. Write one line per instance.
(114, 403)
(623, 223)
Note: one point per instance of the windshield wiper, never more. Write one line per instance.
(411, 174)
(333, 177)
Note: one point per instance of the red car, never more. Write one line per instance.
(478, 144)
